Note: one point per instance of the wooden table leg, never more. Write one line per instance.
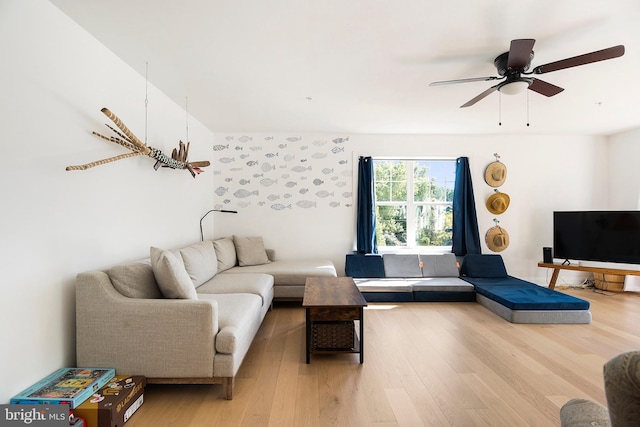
(554, 277)
(361, 335)
(308, 335)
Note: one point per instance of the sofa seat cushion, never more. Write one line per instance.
(441, 284)
(239, 316)
(383, 285)
(290, 272)
(257, 284)
(518, 294)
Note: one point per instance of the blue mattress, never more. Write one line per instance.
(518, 294)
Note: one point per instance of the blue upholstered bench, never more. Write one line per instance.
(517, 300)
(408, 277)
(483, 278)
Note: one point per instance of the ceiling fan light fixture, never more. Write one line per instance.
(515, 63)
(515, 87)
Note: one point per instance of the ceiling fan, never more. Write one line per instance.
(514, 65)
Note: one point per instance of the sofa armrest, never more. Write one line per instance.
(150, 337)
(584, 413)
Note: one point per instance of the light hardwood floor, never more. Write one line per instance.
(425, 364)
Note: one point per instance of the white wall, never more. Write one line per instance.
(544, 173)
(624, 179)
(55, 79)
(624, 182)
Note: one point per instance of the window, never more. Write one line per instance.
(414, 202)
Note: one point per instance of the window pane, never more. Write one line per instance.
(434, 180)
(391, 225)
(383, 191)
(434, 227)
(391, 180)
(399, 191)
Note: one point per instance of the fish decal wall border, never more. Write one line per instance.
(282, 173)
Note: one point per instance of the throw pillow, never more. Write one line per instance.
(250, 251)
(135, 280)
(173, 280)
(225, 252)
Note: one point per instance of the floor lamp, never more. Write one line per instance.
(212, 210)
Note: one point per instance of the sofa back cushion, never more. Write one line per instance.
(225, 253)
(402, 265)
(200, 261)
(439, 265)
(135, 280)
(478, 265)
(364, 266)
(173, 280)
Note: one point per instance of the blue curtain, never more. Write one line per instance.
(366, 220)
(466, 238)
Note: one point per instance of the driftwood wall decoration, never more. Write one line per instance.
(127, 139)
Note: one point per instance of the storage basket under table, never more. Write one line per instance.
(333, 335)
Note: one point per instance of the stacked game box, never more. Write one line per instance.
(70, 386)
(113, 404)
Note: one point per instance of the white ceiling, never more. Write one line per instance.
(364, 66)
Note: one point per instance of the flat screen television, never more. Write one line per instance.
(608, 236)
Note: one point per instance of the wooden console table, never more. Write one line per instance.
(558, 267)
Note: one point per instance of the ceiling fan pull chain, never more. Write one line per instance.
(499, 109)
(527, 108)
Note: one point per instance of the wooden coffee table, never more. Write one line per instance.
(332, 305)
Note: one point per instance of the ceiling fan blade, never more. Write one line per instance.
(520, 53)
(481, 96)
(544, 88)
(587, 58)
(473, 79)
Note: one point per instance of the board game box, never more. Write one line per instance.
(70, 386)
(113, 404)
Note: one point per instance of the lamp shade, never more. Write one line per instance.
(514, 87)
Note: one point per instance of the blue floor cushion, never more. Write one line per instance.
(518, 294)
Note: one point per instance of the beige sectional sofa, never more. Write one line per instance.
(183, 316)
